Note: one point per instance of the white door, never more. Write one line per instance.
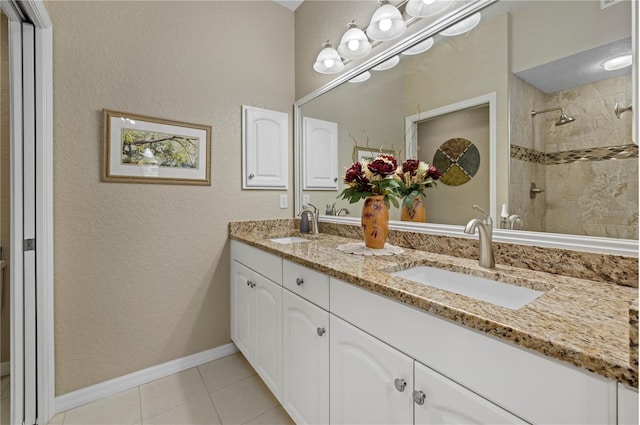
(320, 151)
(242, 308)
(439, 400)
(306, 360)
(371, 382)
(268, 333)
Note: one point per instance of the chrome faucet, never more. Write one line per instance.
(343, 210)
(314, 215)
(485, 233)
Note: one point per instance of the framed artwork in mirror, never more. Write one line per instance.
(140, 149)
(365, 152)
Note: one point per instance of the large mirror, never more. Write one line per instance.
(526, 92)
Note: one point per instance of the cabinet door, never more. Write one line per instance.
(306, 360)
(267, 359)
(320, 151)
(627, 405)
(242, 308)
(446, 402)
(371, 382)
(265, 136)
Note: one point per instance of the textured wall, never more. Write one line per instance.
(142, 271)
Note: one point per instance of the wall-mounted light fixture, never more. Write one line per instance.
(421, 47)
(386, 23)
(424, 8)
(354, 43)
(388, 64)
(328, 61)
(361, 78)
(463, 26)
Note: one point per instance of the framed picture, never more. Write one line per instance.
(139, 149)
(361, 152)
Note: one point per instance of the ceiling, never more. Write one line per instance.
(289, 4)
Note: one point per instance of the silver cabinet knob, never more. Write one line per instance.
(400, 384)
(418, 397)
(335, 179)
(320, 331)
(299, 281)
(248, 283)
(251, 175)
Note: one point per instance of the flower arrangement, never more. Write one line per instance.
(414, 177)
(370, 177)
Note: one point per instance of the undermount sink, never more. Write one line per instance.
(289, 240)
(502, 294)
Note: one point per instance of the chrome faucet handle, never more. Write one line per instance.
(515, 222)
(486, 219)
(315, 211)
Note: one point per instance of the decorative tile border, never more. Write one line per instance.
(566, 157)
(529, 155)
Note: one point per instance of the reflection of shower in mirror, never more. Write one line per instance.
(564, 118)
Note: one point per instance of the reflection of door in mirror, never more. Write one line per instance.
(587, 167)
(464, 176)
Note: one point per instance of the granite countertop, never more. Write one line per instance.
(592, 325)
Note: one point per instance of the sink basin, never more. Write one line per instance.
(502, 294)
(289, 240)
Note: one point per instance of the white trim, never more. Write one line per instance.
(16, 261)
(411, 142)
(609, 246)
(44, 218)
(132, 380)
(5, 368)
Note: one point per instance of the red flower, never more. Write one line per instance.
(355, 174)
(410, 166)
(433, 173)
(384, 165)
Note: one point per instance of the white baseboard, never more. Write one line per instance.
(5, 368)
(132, 380)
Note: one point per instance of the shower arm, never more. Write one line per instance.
(534, 113)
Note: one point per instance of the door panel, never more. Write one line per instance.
(268, 348)
(364, 371)
(242, 309)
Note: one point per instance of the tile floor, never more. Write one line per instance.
(224, 391)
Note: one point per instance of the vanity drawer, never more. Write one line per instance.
(309, 284)
(267, 264)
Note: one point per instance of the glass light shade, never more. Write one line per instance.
(421, 47)
(386, 23)
(424, 8)
(360, 78)
(354, 44)
(618, 63)
(328, 61)
(388, 64)
(463, 26)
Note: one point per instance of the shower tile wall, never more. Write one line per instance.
(529, 166)
(597, 195)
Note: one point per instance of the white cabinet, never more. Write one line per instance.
(371, 382)
(306, 360)
(320, 153)
(439, 400)
(265, 141)
(256, 323)
(627, 405)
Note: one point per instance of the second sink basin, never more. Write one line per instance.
(502, 294)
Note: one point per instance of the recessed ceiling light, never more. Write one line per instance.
(618, 63)
(387, 64)
(463, 26)
(421, 47)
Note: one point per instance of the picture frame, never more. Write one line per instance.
(365, 152)
(141, 149)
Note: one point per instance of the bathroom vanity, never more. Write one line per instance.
(338, 338)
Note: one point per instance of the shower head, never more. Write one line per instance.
(564, 118)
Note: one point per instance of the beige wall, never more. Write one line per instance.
(142, 271)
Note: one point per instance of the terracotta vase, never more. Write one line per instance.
(375, 222)
(416, 213)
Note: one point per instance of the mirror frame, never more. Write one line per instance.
(600, 245)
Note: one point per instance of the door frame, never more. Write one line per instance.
(34, 12)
